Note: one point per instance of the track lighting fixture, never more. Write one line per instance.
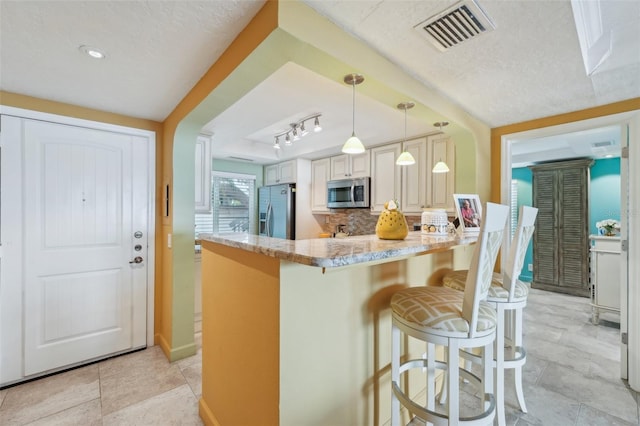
(297, 130)
(405, 158)
(353, 145)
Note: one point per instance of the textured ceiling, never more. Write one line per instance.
(156, 50)
(530, 66)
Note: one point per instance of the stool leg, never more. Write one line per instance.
(443, 389)
(395, 374)
(499, 368)
(453, 389)
(487, 373)
(517, 341)
(431, 376)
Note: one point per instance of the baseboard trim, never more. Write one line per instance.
(206, 414)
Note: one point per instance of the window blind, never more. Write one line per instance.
(232, 205)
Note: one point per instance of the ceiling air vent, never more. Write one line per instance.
(601, 144)
(460, 22)
(239, 158)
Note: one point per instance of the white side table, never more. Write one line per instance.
(605, 275)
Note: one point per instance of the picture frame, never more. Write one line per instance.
(469, 212)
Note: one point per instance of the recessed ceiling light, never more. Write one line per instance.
(92, 52)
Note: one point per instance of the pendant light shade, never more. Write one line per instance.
(405, 158)
(353, 145)
(441, 166)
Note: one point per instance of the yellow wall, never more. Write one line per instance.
(585, 114)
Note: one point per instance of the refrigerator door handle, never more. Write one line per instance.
(268, 222)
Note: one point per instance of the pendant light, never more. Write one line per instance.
(353, 144)
(405, 158)
(441, 166)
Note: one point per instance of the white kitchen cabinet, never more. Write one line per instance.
(284, 172)
(385, 175)
(415, 177)
(605, 275)
(203, 174)
(440, 186)
(320, 173)
(348, 166)
(414, 186)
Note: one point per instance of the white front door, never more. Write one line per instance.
(85, 199)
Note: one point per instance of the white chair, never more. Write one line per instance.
(443, 316)
(506, 294)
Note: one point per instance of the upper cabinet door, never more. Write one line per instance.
(385, 175)
(271, 175)
(287, 171)
(284, 172)
(319, 178)
(440, 186)
(350, 166)
(340, 167)
(361, 165)
(414, 177)
(203, 175)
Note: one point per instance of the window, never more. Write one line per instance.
(232, 205)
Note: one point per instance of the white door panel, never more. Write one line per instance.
(79, 223)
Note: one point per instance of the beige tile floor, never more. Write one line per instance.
(141, 388)
(571, 378)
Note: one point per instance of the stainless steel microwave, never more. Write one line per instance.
(348, 193)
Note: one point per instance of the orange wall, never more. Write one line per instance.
(585, 114)
(265, 22)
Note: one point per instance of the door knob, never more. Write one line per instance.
(137, 259)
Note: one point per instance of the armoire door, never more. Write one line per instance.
(85, 210)
(561, 238)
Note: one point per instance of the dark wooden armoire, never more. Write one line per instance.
(561, 237)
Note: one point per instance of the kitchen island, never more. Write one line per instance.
(297, 332)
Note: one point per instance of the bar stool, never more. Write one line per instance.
(506, 294)
(444, 316)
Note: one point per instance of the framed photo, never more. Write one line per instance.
(469, 211)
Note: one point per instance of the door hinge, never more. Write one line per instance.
(624, 153)
(624, 245)
(624, 338)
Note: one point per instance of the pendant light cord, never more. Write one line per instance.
(405, 124)
(353, 118)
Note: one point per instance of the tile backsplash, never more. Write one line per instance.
(358, 221)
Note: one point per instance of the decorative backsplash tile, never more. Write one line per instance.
(358, 221)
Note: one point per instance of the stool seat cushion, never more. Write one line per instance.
(457, 279)
(439, 308)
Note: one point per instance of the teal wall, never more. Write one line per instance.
(238, 167)
(604, 198)
(524, 180)
(604, 202)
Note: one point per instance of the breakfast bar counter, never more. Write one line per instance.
(297, 332)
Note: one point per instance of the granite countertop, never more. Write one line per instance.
(334, 252)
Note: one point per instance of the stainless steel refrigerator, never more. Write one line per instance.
(276, 211)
